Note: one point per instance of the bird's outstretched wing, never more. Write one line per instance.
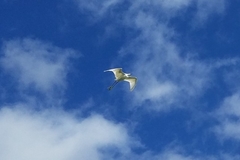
(132, 82)
(117, 72)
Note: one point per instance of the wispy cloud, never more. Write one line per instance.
(164, 8)
(36, 65)
(207, 8)
(165, 76)
(228, 112)
(96, 8)
(169, 74)
(228, 115)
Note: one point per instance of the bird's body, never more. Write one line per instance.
(121, 76)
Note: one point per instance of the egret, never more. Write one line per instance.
(121, 76)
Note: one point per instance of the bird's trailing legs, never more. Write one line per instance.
(114, 83)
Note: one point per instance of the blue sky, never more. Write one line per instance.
(54, 102)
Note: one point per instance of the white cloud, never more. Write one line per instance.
(95, 7)
(180, 154)
(57, 135)
(175, 154)
(175, 4)
(163, 8)
(228, 129)
(229, 115)
(228, 157)
(36, 64)
(165, 77)
(206, 8)
(231, 106)
(166, 155)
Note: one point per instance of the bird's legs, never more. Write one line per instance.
(114, 83)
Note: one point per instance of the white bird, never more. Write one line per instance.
(121, 76)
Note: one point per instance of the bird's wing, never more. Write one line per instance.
(117, 72)
(132, 81)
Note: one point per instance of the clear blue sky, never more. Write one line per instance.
(54, 102)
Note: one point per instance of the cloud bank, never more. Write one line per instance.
(57, 135)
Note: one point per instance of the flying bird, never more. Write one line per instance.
(121, 76)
